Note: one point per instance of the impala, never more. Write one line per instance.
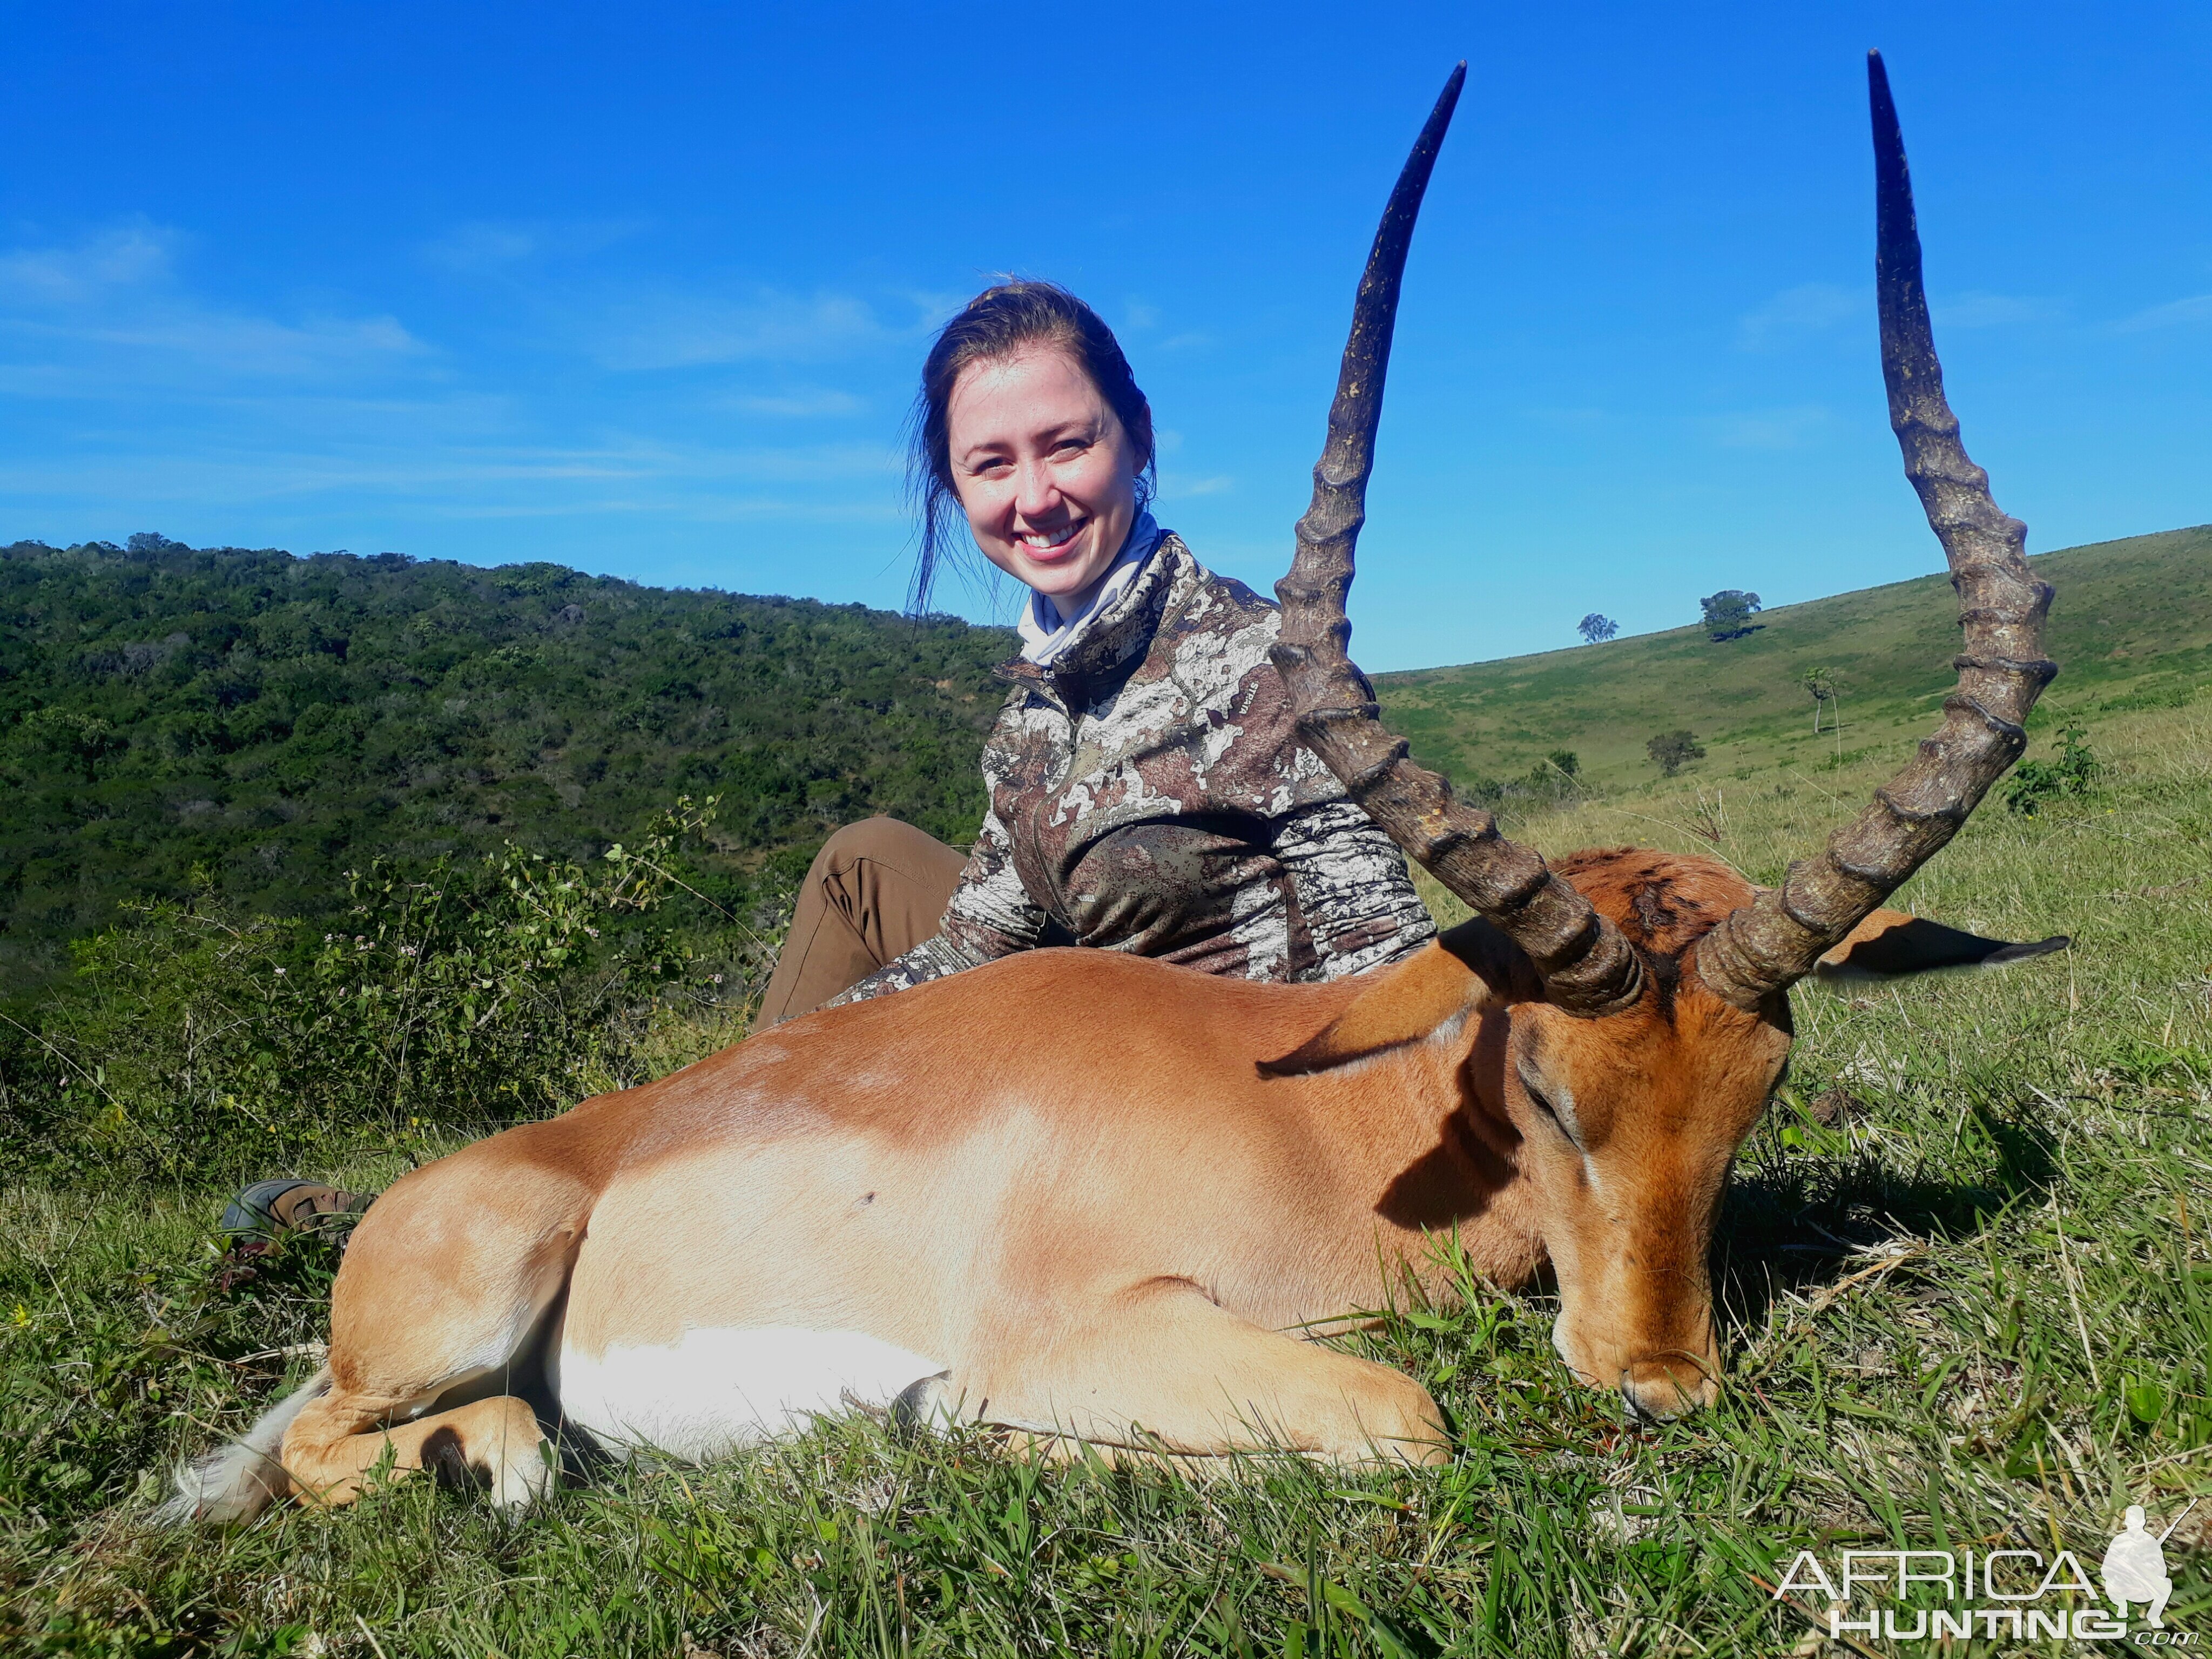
(1109, 1201)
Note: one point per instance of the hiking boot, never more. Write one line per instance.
(268, 1210)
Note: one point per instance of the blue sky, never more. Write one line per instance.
(645, 289)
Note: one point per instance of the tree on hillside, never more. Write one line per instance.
(1597, 629)
(1672, 750)
(1728, 613)
(1822, 683)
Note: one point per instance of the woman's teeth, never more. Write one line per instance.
(1044, 541)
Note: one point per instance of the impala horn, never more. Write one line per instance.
(1773, 942)
(1588, 967)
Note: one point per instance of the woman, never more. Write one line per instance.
(1148, 790)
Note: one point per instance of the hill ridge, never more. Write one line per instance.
(261, 721)
(2132, 620)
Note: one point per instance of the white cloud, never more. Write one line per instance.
(1772, 429)
(2197, 308)
(479, 481)
(106, 313)
(1811, 309)
(710, 509)
(258, 345)
(1975, 309)
(490, 245)
(483, 247)
(689, 331)
(1181, 487)
(128, 256)
(802, 403)
(154, 342)
(1800, 313)
(934, 309)
(1569, 415)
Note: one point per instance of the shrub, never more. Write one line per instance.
(1550, 782)
(1673, 750)
(2071, 773)
(460, 997)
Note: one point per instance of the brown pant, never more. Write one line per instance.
(876, 890)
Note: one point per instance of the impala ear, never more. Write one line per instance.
(1890, 945)
(1401, 1004)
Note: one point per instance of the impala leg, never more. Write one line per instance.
(494, 1443)
(443, 1294)
(1162, 1369)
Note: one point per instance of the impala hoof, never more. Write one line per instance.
(924, 1407)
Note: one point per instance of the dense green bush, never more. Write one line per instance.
(457, 997)
(271, 721)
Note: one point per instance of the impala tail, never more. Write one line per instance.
(237, 1480)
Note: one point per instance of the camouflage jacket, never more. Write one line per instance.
(1149, 793)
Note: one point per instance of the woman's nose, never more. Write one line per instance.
(1035, 494)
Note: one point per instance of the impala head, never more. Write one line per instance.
(1649, 1020)
(1629, 1124)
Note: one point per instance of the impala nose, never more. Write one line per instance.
(1668, 1386)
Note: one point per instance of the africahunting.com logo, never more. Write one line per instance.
(2017, 1594)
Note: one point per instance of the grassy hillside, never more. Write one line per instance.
(2131, 628)
(269, 721)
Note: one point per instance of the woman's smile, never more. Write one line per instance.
(1048, 544)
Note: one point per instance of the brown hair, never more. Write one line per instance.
(994, 325)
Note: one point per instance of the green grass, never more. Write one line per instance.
(2132, 626)
(1974, 1307)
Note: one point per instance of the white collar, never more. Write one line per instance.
(1046, 632)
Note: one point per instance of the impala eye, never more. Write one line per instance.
(1542, 1104)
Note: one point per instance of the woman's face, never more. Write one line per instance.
(1044, 471)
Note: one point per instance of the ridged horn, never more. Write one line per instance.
(1774, 941)
(1587, 966)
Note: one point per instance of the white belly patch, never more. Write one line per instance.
(718, 1389)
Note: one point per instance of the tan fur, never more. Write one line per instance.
(1112, 1197)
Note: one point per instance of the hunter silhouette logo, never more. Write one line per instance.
(2134, 1567)
(2000, 1593)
